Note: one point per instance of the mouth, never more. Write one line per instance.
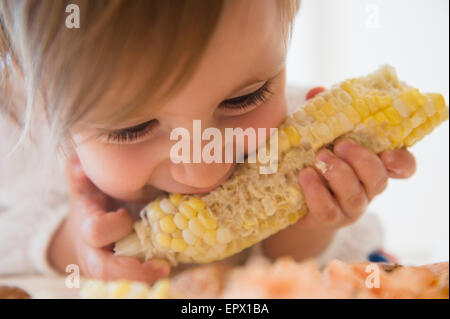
(205, 190)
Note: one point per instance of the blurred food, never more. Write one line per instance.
(285, 278)
(7, 292)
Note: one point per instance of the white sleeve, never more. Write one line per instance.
(354, 243)
(33, 203)
(26, 230)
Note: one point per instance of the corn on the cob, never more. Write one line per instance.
(125, 289)
(377, 111)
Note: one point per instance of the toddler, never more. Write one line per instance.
(108, 94)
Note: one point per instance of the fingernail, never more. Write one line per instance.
(388, 157)
(323, 161)
(343, 147)
(306, 177)
(324, 156)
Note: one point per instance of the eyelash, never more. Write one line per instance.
(132, 134)
(234, 106)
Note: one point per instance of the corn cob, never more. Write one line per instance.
(125, 289)
(377, 111)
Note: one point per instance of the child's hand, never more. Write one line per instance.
(91, 228)
(353, 176)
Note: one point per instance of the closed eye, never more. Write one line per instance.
(245, 103)
(132, 134)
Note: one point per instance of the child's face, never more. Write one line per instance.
(246, 53)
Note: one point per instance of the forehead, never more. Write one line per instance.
(248, 42)
(248, 45)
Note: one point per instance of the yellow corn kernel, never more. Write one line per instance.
(122, 289)
(429, 108)
(175, 198)
(352, 115)
(310, 108)
(393, 115)
(292, 218)
(160, 289)
(384, 101)
(155, 213)
(231, 246)
(444, 114)
(167, 225)
(438, 101)
(349, 88)
(196, 227)
(300, 116)
(189, 237)
(293, 135)
(196, 203)
(412, 138)
(180, 221)
(187, 210)
(224, 235)
(361, 107)
(416, 120)
(371, 103)
(163, 240)
(283, 141)
(370, 121)
(344, 122)
(410, 100)
(334, 126)
(418, 97)
(328, 109)
(167, 206)
(396, 134)
(210, 237)
(380, 117)
(207, 221)
(178, 245)
(401, 108)
(320, 116)
(177, 234)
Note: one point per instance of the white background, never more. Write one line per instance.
(337, 39)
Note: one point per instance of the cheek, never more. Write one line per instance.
(269, 115)
(118, 172)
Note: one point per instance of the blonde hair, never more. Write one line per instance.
(51, 58)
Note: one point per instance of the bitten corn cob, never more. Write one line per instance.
(377, 111)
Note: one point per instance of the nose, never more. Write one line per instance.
(201, 175)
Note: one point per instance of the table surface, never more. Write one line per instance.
(41, 287)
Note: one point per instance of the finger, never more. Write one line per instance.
(104, 265)
(344, 183)
(83, 190)
(79, 183)
(104, 229)
(399, 163)
(367, 165)
(322, 207)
